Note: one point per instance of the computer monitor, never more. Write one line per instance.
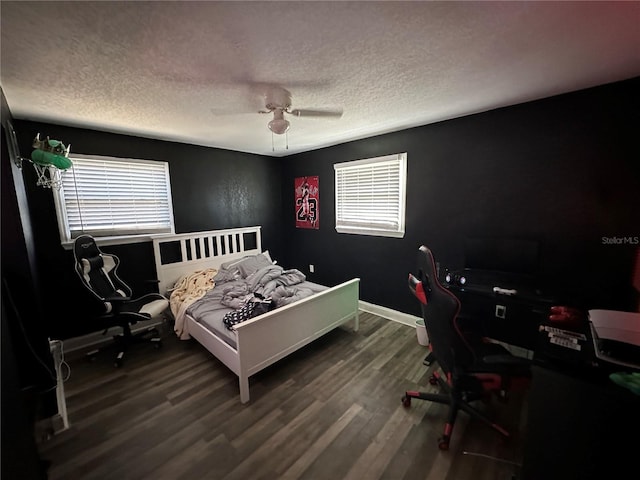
(515, 256)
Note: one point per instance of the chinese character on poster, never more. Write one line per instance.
(307, 193)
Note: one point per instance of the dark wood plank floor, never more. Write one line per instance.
(332, 410)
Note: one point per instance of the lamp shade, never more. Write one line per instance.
(278, 125)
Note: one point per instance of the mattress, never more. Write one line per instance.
(211, 313)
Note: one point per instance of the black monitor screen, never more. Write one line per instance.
(509, 255)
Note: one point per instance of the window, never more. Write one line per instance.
(370, 196)
(114, 197)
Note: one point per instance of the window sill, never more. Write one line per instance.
(106, 241)
(371, 232)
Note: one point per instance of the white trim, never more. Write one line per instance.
(370, 231)
(96, 339)
(410, 321)
(108, 241)
(389, 314)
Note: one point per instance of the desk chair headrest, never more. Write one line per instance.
(85, 247)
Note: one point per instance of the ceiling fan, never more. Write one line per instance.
(278, 102)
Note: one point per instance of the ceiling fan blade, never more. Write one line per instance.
(226, 112)
(316, 113)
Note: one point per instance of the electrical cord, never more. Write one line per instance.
(64, 366)
(491, 457)
(12, 303)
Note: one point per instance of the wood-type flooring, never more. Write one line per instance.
(330, 411)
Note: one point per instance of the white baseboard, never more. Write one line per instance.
(410, 320)
(390, 314)
(97, 338)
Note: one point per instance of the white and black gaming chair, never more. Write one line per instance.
(97, 270)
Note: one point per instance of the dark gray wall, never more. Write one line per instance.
(27, 365)
(211, 189)
(563, 171)
(20, 291)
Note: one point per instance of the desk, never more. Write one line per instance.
(512, 319)
(579, 429)
(580, 425)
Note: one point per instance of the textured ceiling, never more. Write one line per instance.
(197, 72)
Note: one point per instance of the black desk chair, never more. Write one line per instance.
(473, 367)
(97, 270)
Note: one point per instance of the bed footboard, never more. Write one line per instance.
(274, 335)
(267, 338)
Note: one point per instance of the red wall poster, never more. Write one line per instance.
(307, 191)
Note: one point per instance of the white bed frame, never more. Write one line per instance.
(265, 339)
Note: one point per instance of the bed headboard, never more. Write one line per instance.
(183, 253)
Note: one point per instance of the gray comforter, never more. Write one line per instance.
(270, 282)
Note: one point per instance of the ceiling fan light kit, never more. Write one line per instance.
(278, 125)
(278, 102)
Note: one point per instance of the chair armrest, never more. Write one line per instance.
(117, 299)
(509, 359)
(113, 305)
(134, 317)
(509, 365)
(151, 296)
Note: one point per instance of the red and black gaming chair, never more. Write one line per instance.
(98, 272)
(473, 367)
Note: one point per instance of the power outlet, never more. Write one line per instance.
(312, 268)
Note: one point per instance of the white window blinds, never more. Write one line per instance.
(106, 197)
(370, 196)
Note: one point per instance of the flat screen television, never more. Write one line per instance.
(514, 256)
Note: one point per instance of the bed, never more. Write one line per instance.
(249, 346)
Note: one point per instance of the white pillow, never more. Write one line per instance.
(266, 254)
(252, 264)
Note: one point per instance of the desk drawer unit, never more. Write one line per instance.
(505, 318)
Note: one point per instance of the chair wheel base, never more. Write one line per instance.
(406, 401)
(443, 442)
(91, 356)
(119, 360)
